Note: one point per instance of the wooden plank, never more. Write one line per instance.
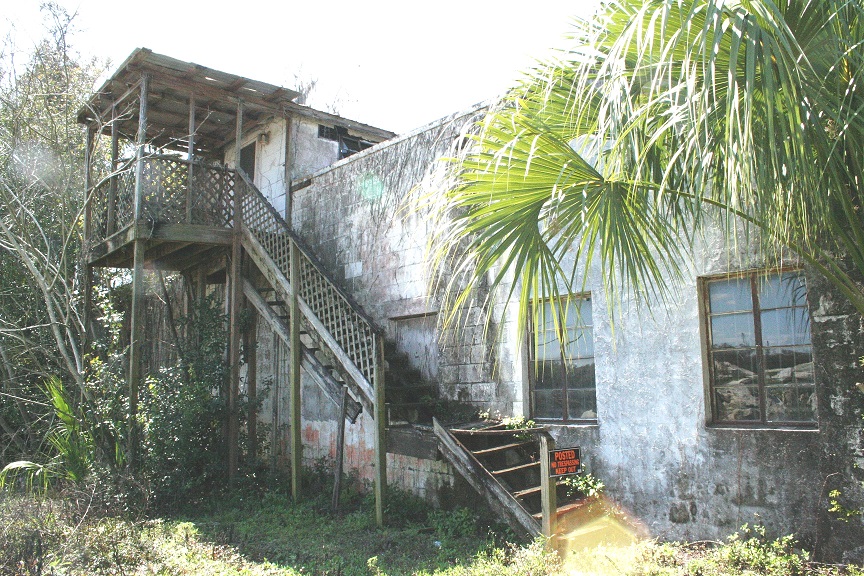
(492, 432)
(313, 366)
(296, 430)
(527, 491)
(139, 152)
(501, 448)
(340, 448)
(136, 349)
(515, 468)
(197, 233)
(499, 499)
(234, 317)
(190, 153)
(380, 442)
(548, 491)
(250, 339)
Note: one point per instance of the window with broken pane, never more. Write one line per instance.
(760, 356)
(563, 384)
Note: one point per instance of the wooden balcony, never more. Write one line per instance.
(185, 214)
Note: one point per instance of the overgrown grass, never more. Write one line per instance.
(261, 532)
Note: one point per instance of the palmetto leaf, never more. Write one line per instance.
(664, 116)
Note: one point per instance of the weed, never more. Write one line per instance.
(583, 486)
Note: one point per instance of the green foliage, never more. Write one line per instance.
(750, 551)
(841, 512)
(583, 486)
(663, 120)
(72, 447)
(182, 411)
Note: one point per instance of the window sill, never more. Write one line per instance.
(569, 423)
(763, 428)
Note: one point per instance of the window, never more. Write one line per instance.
(760, 360)
(247, 160)
(348, 145)
(563, 385)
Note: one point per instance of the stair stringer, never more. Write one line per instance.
(311, 364)
(497, 497)
(357, 383)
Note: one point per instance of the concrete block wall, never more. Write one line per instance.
(652, 443)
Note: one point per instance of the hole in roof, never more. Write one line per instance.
(210, 79)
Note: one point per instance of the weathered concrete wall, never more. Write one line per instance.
(359, 218)
(652, 444)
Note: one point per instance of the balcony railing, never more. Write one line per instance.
(169, 195)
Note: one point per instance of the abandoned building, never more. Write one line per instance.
(736, 404)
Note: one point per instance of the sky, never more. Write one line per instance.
(397, 65)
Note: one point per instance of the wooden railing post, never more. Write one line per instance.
(191, 158)
(380, 429)
(296, 425)
(139, 154)
(111, 216)
(548, 494)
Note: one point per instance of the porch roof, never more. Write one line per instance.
(172, 82)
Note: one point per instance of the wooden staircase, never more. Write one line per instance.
(505, 467)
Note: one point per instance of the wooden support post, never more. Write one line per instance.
(111, 212)
(294, 381)
(139, 154)
(275, 442)
(340, 448)
(548, 494)
(234, 317)
(88, 236)
(286, 179)
(190, 157)
(380, 442)
(249, 346)
(136, 345)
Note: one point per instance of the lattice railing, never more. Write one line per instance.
(112, 212)
(167, 196)
(351, 328)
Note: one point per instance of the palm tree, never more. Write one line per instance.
(666, 117)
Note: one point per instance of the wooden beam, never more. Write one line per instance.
(498, 499)
(311, 364)
(160, 251)
(296, 426)
(380, 441)
(89, 140)
(136, 349)
(193, 233)
(235, 310)
(190, 156)
(340, 449)
(112, 186)
(139, 153)
(250, 339)
(361, 388)
(286, 177)
(548, 492)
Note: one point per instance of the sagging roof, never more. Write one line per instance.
(172, 83)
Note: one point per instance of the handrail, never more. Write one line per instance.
(341, 325)
(307, 252)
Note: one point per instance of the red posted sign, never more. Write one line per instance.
(565, 461)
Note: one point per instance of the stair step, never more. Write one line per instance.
(275, 302)
(526, 492)
(501, 448)
(515, 468)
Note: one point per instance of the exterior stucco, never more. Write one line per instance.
(652, 444)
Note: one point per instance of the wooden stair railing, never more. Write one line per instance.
(499, 498)
(336, 322)
(506, 467)
(331, 384)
